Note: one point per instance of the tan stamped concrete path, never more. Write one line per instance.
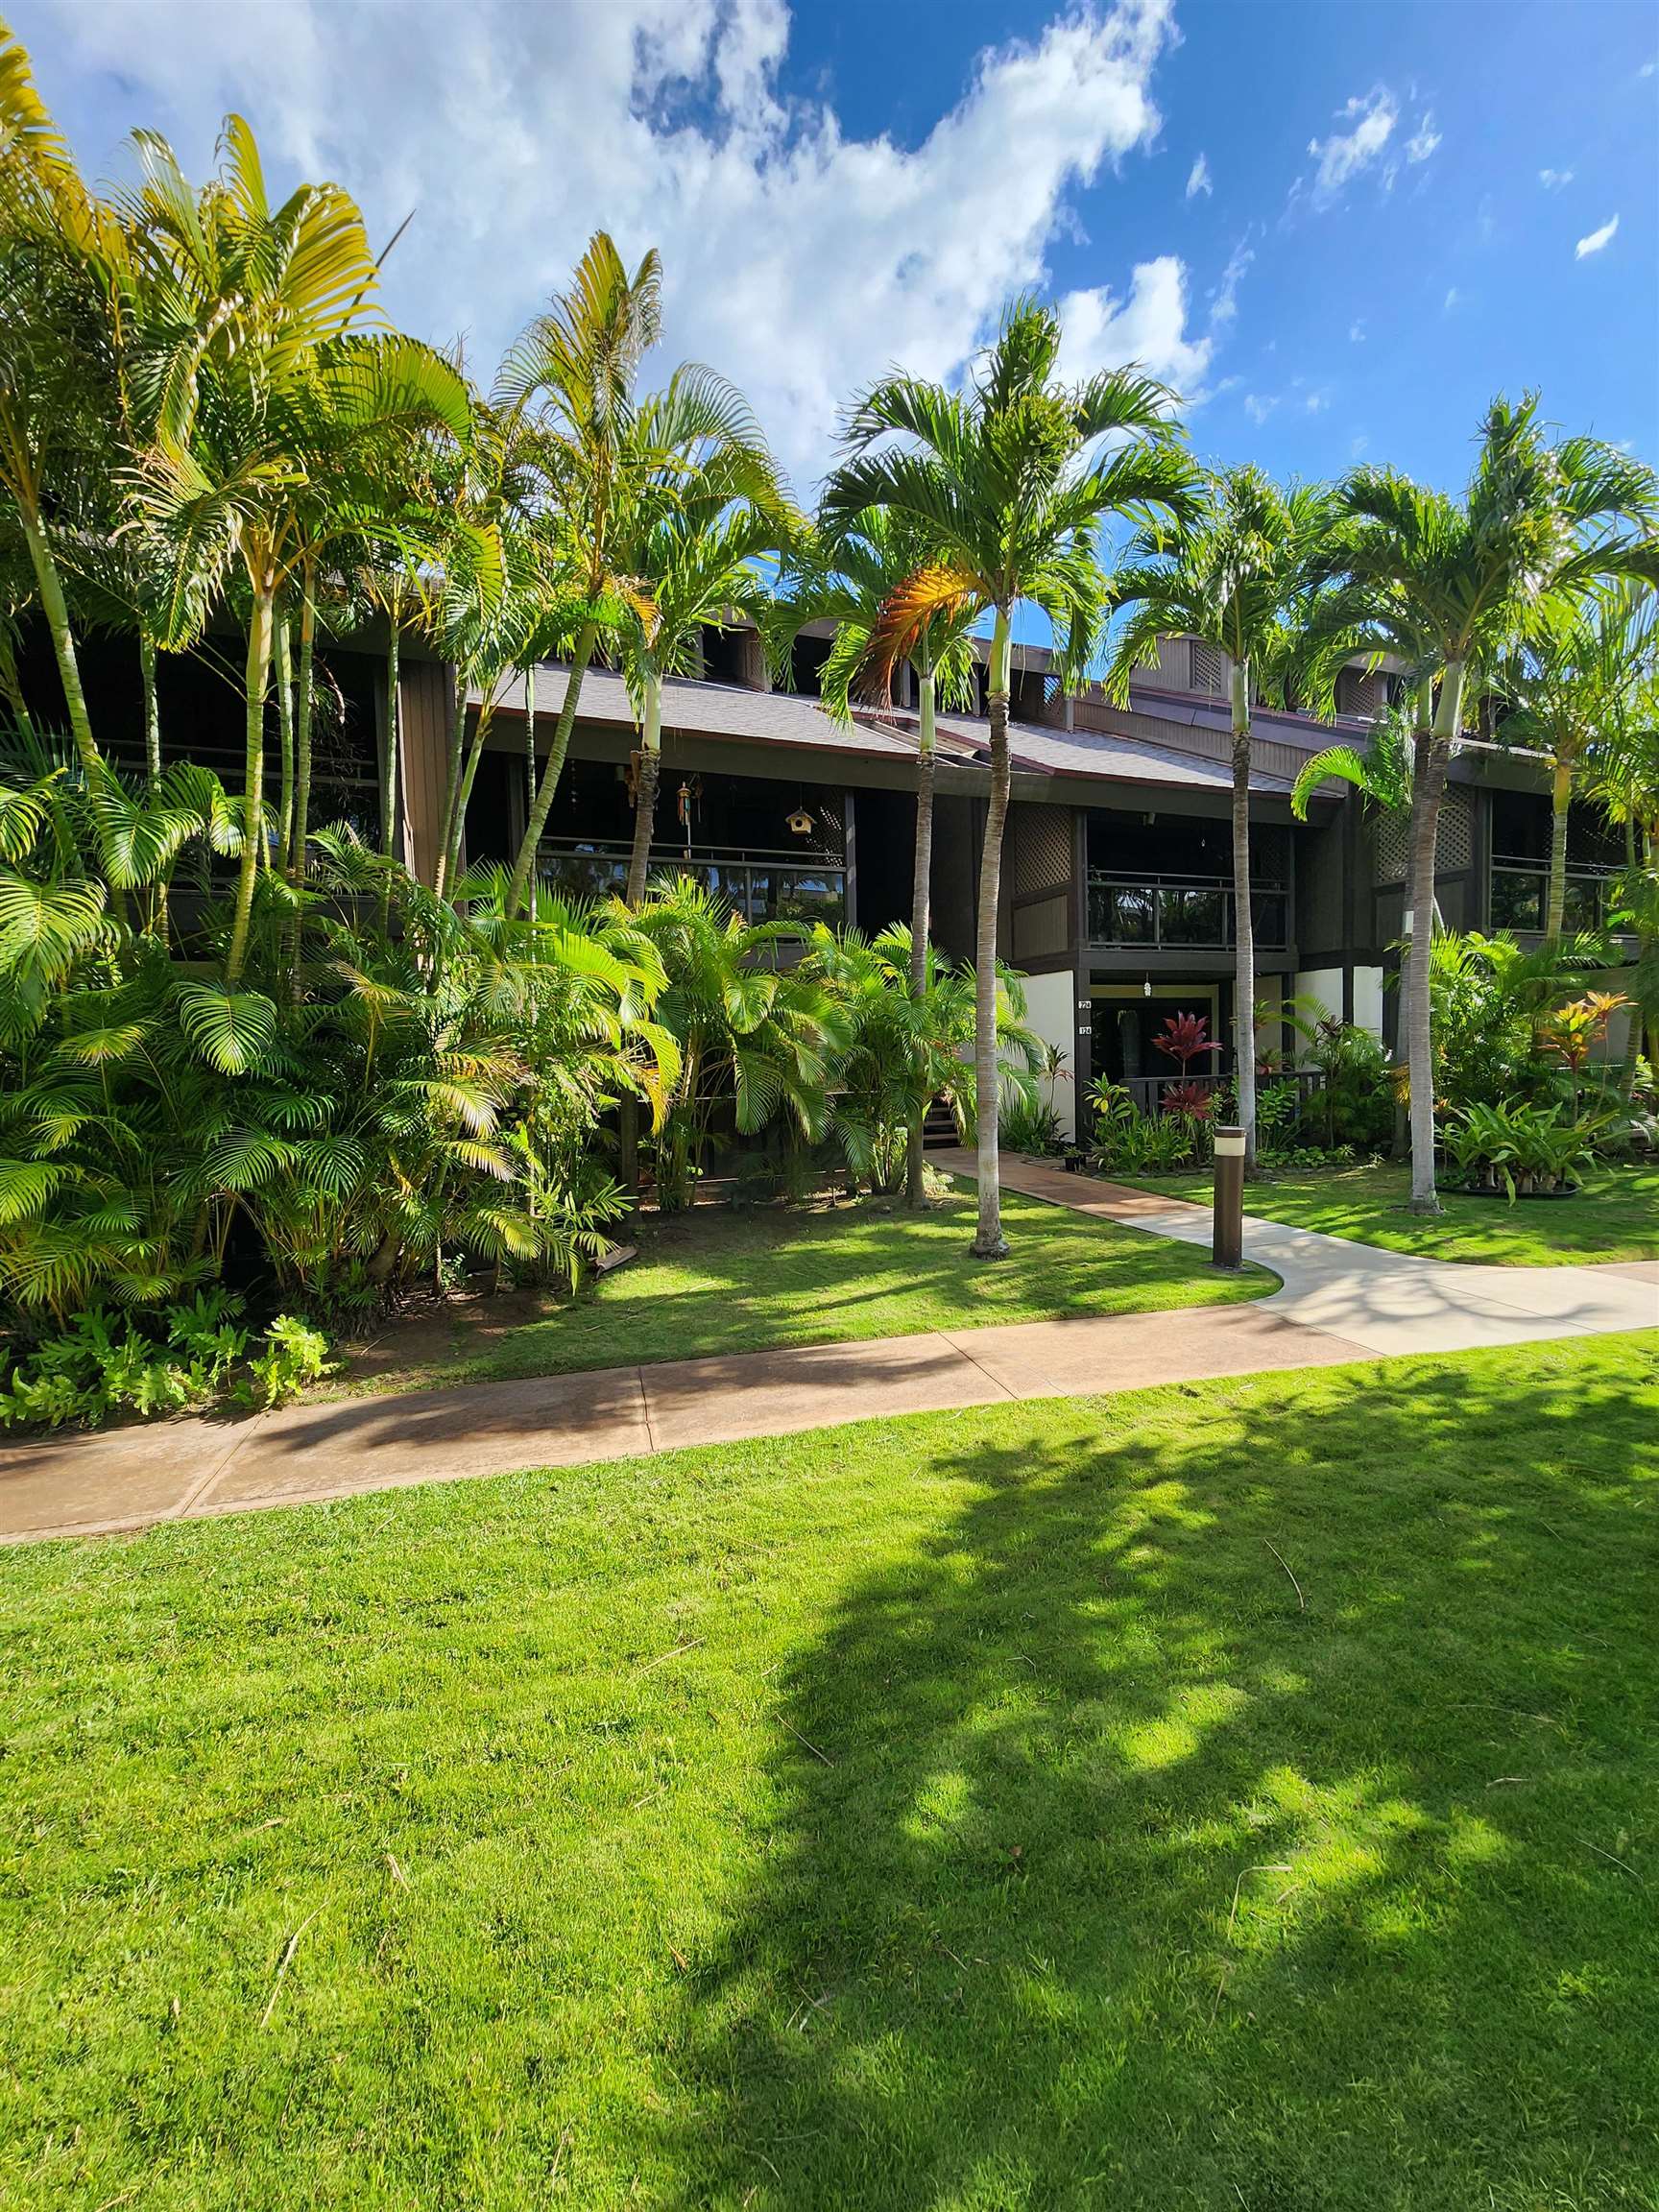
(1339, 1302)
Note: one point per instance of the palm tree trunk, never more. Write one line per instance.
(1426, 798)
(451, 779)
(1422, 737)
(388, 738)
(529, 736)
(920, 901)
(257, 683)
(645, 793)
(10, 684)
(1644, 958)
(990, 1243)
(54, 606)
(158, 920)
(638, 863)
(1244, 921)
(285, 735)
(152, 712)
(587, 638)
(302, 705)
(1560, 798)
(451, 858)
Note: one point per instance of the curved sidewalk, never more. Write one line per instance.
(1339, 1302)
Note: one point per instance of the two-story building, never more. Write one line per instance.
(1117, 878)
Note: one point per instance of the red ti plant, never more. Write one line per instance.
(1190, 1099)
(1183, 1038)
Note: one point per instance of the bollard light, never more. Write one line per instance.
(1227, 1237)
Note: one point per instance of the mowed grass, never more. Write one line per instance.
(1615, 1216)
(716, 1280)
(1235, 1794)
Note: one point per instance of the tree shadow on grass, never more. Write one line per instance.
(1250, 1805)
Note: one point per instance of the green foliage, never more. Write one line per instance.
(1130, 1142)
(295, 1354)
(1520, 1148)
(104, 1364)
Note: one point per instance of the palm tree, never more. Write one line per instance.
(1540, 523)
(849, 579)
(1622, 774)
(1383, 775)
(1006, 480)
(605, 458)
(1226, 576)
(1570, 681)
(270, 410)
(62, 255)
(695, 563)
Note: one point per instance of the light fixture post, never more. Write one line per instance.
(1227, 1234)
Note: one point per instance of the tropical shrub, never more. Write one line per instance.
(1520, 1148)
(164, 1359)
(1130, 1142)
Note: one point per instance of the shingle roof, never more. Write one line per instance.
(725, 710)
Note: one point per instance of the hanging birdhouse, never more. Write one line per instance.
(801, 823)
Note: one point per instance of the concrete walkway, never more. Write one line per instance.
(1339, 1302)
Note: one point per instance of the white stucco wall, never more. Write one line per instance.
(1049, 1011)
(1324, 984)
(1368, 999)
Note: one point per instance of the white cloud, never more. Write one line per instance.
(1316, 401)
(1453, 295)
(1199, 179)
(799, 259)
(1345, 153)
(1648, 68)
(1357, 333)
(1358, 446)
(1148, 328)
(1596, 240)
(1224, 300)
(1554, 179)
(1259, 405)
(1424, 139)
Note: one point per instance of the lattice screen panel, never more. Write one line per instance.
(1208, 674)
(1455, 844)
(1043, 854)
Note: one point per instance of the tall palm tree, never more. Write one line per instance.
(603, 457)
(848, 578)
(696, 565)
(268, 405)
(1571, 681)
(1008, 478)
(1540, 523)
(62, 260)
(1227, 576)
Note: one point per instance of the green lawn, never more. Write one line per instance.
(713, 1281)
(969, 1812)
(1615, 1216)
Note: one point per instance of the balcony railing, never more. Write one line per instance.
(1521, 895)
(760, 886)
(1179, 912)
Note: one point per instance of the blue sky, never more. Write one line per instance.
(1339, 227)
